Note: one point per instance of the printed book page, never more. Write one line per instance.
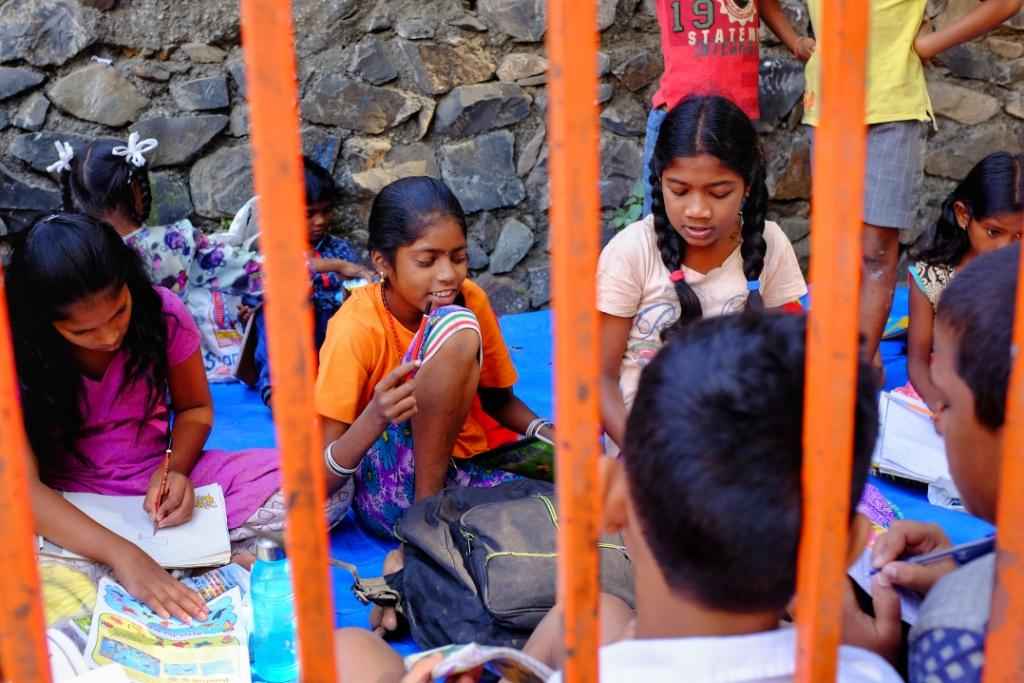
(150, 648)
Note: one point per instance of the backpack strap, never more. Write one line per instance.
(383, 591)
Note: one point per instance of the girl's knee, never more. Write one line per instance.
(464, 345)
(459, 344)
(454, 335)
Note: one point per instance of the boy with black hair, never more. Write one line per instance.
(708, 496)
(971, 371)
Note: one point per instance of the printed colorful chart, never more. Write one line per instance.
(150, 648)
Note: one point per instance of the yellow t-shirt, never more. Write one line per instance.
(359, 350)
(896, 88)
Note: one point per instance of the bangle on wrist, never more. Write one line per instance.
(336, 469)
(536, 425)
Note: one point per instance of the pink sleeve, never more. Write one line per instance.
(182, 332)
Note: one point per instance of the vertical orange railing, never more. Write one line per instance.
(575, 217)
(832, 339)
(572, 41)
(1004, 656)
(22, 642)
(267, 37)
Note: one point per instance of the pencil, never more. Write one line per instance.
(421, 336)
(162, 491)
(961, 554)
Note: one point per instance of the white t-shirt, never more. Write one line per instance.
(768, 657)
(633, 282)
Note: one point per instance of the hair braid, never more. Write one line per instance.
(754, 247)
(140, 180)
(67, 202)
(673, 250)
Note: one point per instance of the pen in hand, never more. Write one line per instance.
(162, 490)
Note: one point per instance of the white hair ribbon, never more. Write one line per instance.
(65, 153)
(134, 151)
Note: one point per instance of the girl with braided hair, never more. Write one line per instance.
(705, 250)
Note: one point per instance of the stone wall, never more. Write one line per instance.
(392, 88)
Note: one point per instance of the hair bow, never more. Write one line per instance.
(65, 153)
(134, 151)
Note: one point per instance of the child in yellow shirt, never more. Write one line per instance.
(897, 108)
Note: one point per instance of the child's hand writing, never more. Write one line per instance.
(906, 538)
(151, 584)
(393, 397)
(178, 502)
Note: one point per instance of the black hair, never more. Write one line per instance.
(100, 182)
(320, 186)
(59, 261)
(714, 452)
(994, 186)
(402, 210)
(978, 306)
(711, 125)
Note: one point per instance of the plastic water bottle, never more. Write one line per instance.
(274, 643)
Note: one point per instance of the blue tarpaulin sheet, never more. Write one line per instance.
(243, 422)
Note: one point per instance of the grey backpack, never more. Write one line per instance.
(480, 565)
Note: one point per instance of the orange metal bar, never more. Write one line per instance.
(832, 339)
(22, 641)
(267, 36)
(572, 41)
(1004, 658)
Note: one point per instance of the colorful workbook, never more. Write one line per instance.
(150, 648)
(201, 542)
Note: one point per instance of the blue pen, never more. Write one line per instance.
(961, 554)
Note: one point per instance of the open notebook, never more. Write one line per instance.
(201, 542)
(908, 445)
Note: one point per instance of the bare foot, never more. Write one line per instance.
(385, 620)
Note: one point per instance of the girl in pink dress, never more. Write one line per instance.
(104, 360)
